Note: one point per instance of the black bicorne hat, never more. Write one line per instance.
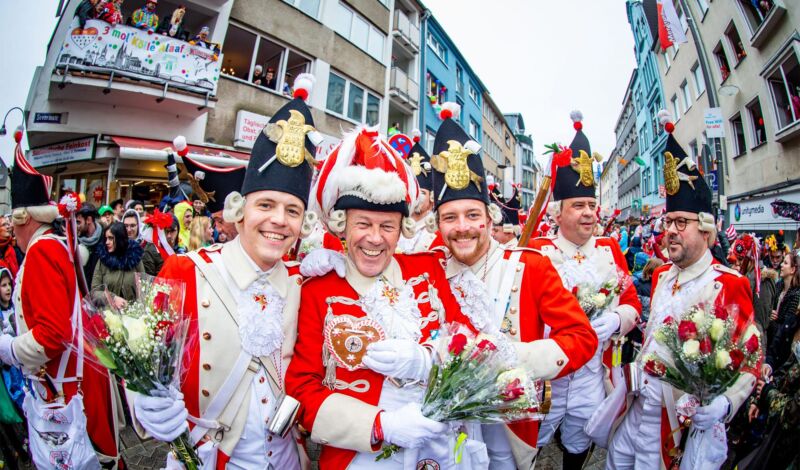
(212, 184)
(282, 158)
(29, 188)
(457, 167)
(420, 163)
(686, 188)
(577, 178)
(509, 207)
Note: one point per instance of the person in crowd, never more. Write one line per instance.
(106, 215)
(12, 392)
(200, 207)
(172, 236)
(136, 205)
(785, 320)
(90, 237)
(185, 213)
(151, 258)
(645, 436)
(119, 261)
(87, 10)
(243, 302)
(645, 285)
(110, 11)
(10, 255)
(47, 305)
(146, 18)
(118, 205)
(201, 233)
(763, 286)
(394, 129)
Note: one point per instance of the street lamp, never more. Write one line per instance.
(3, 130)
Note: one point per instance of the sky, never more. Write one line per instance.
(28, 25)
(542, 59)
(547, 58)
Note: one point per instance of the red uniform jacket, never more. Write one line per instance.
(346, 417)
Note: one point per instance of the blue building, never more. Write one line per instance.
(446, 76)
(648, 100)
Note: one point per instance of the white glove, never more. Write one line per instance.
(321, 261)
(606, 325)
(705, 416)
(407, 428)
(6, 351)
(399, 358)
(164, 418)
(8, 328)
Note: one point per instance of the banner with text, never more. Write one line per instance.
(714, 124)
(64, 152)
(248, 126)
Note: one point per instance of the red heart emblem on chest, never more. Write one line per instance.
(347, 339)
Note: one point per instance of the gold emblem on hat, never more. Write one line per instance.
(453, 163)
(203, 195)
(583, 166)
(291, 138)
(673, 177)
(416, 164)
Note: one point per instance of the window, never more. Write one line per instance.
(736, 43)
(699, 80)
(682, 18)
(357, 30)
(437, 47)
(693, 150)
(755, 14)
(676, 107)
(459, 79)
(686, 94)
(309, 7)
(667, 60)
(757, 122)
(722, 62)
(436, 90)
(703, 5)
(345, 98)
(473, 93)
(430, 137)
(261, 61)
(784, 84)
(739, 146)
(473, 129)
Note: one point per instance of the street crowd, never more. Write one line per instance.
(279, 258)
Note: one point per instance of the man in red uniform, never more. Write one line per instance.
(649, 435)
(588, 263)
(47, 305)
(361, 355)
(515, 291)
(243, 301)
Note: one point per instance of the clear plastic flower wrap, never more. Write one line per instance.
(477, 378)
(595, 295)
(143, 342)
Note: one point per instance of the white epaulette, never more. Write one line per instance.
(724, 269)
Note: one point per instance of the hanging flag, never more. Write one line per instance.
(639, 161)
(670, 29)
(730, 232)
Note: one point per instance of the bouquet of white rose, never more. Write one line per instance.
(594, 298)
(142, 342)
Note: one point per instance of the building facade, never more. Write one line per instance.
(109, 99)
(527, 172)
(405, 94)
(648, 100)
(608, 196)
(753, 57)
(499, 146)
(626, 150)
(446, 76)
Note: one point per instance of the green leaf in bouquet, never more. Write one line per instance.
(105, 358)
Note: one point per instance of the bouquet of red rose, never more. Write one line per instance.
(701, 353)
(142, 342)
(476, 378)
(594, 297)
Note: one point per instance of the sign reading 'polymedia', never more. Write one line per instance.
(100, 47)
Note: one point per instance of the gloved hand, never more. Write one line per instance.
(705, 416)
(399, 358)
(407, 428)
(6, 352)
(8, 328)
(321, 261)
(164, 418)
(606, 325)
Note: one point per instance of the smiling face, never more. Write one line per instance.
(687, 246)
(131, 227)
(577, 219)
(371, 239)
(466, 229)
(271, 225)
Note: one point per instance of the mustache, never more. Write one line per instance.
(463, 233)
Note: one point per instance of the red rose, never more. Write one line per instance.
(457, 344)
(721, 312)
(687, 330)
(752, 344)
(487, 345)
(97, 327)
(705, 345)
(737, 356)
(575, 291)
(655, 368)
(669, 321)
(513, 390)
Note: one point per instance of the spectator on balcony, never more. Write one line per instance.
(174, 28)
(87, 10)
(257, 78)
(269, 80)
(146, 18)
(395, 129)
(111, 12)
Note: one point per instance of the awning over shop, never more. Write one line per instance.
(147, 149)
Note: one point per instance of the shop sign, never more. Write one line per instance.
(64, 152)
(139, 53)
(662, 191)
(714, 123)
(758, 211)
(249, 125)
